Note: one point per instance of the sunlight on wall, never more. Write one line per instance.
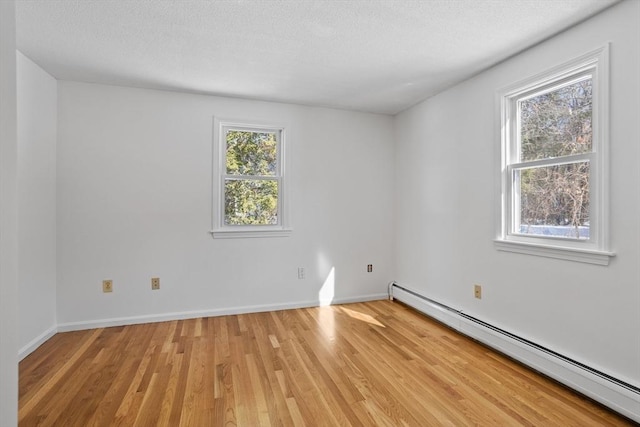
(328, 289)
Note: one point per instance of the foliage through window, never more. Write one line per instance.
(250, 179)
(554, 129)
(553, 175)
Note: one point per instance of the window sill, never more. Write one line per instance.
(253, 233)
(557, 252)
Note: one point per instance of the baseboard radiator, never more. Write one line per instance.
(614, 393)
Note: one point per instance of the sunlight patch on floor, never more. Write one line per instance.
(361, 316)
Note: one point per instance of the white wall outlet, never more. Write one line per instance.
(301, 273)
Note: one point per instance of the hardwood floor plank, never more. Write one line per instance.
(369, 364)
(132, 399)
(52, 384)
(181, 384)
(164, 415)
(267, 368)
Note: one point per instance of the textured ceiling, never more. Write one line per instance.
(370, 55)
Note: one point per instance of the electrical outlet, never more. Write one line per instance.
(301, 274)
(155, 283)
(107, 285)
(369, 268)
(477, 291)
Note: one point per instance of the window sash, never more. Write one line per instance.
(235, 178)
(516, 203)
(279, 207)
(277, 132)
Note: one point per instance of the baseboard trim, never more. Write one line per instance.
(37, 342)
(618, 395)
(166, 317)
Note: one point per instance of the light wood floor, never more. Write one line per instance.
(368, 364)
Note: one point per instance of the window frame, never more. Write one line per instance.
(594, 250)
(219, 228)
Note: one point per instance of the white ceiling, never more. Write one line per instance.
(370, 55)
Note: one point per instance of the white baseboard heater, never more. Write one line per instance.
(614, 393)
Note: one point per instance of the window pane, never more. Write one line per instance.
(250, 201)
(251, 153)
(554, 200)
(557, 123)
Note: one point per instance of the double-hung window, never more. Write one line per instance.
(554, 162)
(249, 180)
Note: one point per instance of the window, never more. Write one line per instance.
(554, 153)
(249, 183)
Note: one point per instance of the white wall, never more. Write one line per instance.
(8, 219)
(446, 178)
(134, 201)
(37, 128)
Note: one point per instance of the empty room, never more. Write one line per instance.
(320, 213)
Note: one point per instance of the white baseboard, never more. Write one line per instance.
(165, 317)
(36, 342)
(607, 391)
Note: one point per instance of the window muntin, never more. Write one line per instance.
(554, 168)
(250, 200)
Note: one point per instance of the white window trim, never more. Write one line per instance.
(219, 229)
(596, 249)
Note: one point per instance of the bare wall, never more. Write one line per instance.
(37, 128)
(8, 219)
(134, 202)
(447, 160)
